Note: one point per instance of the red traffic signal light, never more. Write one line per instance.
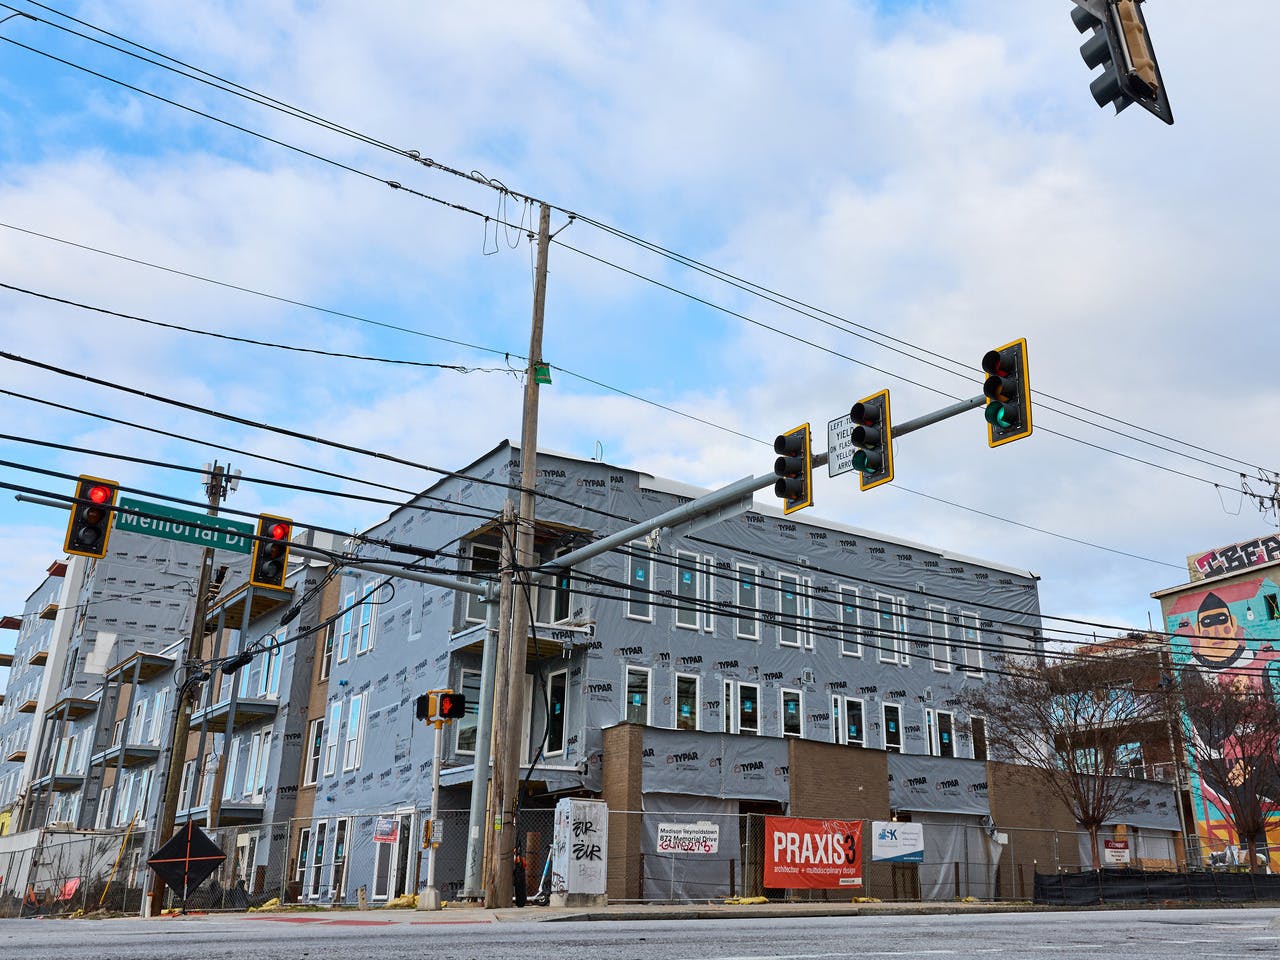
(89, 527)
(453, 706)
(270, 563)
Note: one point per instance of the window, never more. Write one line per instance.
(979, 727)
(557, 691)
(941, 733)
(640, 582)
(726, 708)
(686, 702)
(708, 587)
(891, 633)
(971, 644)
(344, 633)
(331, 747)
(748, 627)
(466, 734)
(485, 559)
(315, 751)
(317, 860)
(793, 607)
(104, 808)
(326, 656)
(186, 788)
(228, 783)
(555, 593)
(304, 841)
(269, 680)
(748, 708)
(1272, 601)
(355, 733)
(687, 584)
(850, 638)
(939, 648)
(364, 636)
(792, 715)
(637, 707)
(339, 881)
(892, 728)
(251, 769)
(846, 721)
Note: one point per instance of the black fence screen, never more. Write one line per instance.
(1146, 886)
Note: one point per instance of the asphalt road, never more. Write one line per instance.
(1084, 935)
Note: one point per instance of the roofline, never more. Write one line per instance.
(1220, 578)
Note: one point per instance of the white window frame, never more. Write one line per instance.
(738, 687)
(893, 647)
(970, 642)
(783, 695)
(552, 750)
(840, 720)
(747, 627)
(627, 672)
(687, 604)
(327, 650)
(353, 742)
(796, 622)
(343, 647)
(884, 727)
(473, 714)
(850, 616)
(697, 699)
(936, 747)
(313, 755)
(640, 560)
(233, 760)
(728, 710)
(300, 868)
(365, 627)
(269, 679)
(707, 591)
(251, 768)
(973, 738)
(939, 640)
(334, 733)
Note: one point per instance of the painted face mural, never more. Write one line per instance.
(1218, 640)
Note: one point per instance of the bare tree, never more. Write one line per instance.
(1233, 737)
(1072, 724)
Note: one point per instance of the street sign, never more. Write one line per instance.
(187, 860)
(187, 526)
(840, 446)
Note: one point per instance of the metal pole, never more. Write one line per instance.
(473, 886)
(433, 895)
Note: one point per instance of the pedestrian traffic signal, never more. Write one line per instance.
(794, 468)
(1008, 392)
(89, 527)
(440, 705)
(453, 706)
(1121, 45)
(270, 562)
(873, 434)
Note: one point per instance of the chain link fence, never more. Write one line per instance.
(51, 872)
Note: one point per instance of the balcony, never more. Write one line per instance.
(553, 639)
(18, 756)
(72, 708)
(38, 658)
(6, 659)
(240, 811)
(50, 612)
(28, 706)
(231, 607)
(127, 754)
(58, 782)
(148, 666)
(246, 712)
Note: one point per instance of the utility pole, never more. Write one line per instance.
(217, 482)
(508, 725)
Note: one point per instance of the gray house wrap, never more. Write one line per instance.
(938, 785)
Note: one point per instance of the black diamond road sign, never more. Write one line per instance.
(186, 860)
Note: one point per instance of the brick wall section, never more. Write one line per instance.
(1023, 805)
(620, 774)
(844, 783)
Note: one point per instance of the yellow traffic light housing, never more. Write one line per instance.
(794, 469)
(89, 526)
(873, 434)
(1008, 392)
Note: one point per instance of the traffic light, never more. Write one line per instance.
(270, 562)
(794, 468)
(89, 527)
(873, 434)
(1121, 45)
(440, 705)
(1008, 392)
(453, 706)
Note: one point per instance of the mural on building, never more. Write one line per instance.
(1231, 634)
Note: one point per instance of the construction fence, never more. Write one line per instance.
(55, 872)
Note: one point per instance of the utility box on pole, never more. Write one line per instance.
(580, 853)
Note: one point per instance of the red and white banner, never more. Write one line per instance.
(801, 853)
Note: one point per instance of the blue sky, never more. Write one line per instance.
(926, 171)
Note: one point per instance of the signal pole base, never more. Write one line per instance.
(429, 899)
